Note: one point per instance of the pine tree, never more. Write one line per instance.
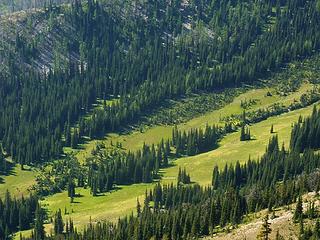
(2, 161)
(67, 135)
(58, 223)
(138, 208)
(39, 233)
(298, 213)
(215, 177)
(265, 229)
(71, 188)
(243, 134)
(244, 117)
(301, 228)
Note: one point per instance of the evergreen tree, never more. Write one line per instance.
(58, 223)
(265, 229)
(39, 233)
(243, 134)
(298, 213)
(138, 208)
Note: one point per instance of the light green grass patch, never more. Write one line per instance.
(153, 135)
(232, 149)
(18, 182)
(109, 206)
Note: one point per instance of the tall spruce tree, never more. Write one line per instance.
(39, 232)
(298, 213)
(265, 231)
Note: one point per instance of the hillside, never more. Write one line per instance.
(156, 119)
(281, 222)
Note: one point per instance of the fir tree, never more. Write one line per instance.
(298, 213)
(58, 223)
(39, 233)
(265, 231)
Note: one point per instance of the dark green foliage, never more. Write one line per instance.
(245, 134)
(3, 162)
(183, 177)
(298, 213)
(306, 133)
(138, 55)
(64, 174)
(58, 223)
(196, 141)
(16, 214)
(39, 232)
(74, 139)
(188, 211)
(114, 166)
(71, 189)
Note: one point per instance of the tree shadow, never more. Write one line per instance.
(9, 169)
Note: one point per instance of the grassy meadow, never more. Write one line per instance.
(18, 181)
(123, 200)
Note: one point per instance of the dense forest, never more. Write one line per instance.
(16, 214)
(305, 133)
(132, 57)
(130, 50)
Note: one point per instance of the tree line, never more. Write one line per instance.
(196, 141)
(306, 132)
(16, 214)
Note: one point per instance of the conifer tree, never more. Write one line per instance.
(298, 213)
(39, 233)
(215, 177)
(74, 139)
(244, 117)
(265, 231)
(138, 208)
(58, 223)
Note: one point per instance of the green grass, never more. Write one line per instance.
(153, 135)
(232, 149)
(123, 201)
(109, 206)
(18, 182)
